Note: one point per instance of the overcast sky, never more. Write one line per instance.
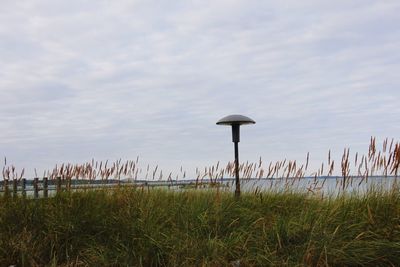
(121, 79)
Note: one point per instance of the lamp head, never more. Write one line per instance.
(235, 121)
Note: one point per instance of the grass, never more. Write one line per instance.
(135, 227)
(380, 161)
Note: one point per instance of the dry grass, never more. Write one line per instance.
(382, 162)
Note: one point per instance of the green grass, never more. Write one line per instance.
(129, 227)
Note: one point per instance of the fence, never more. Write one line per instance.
(41, 187)
(23, 186)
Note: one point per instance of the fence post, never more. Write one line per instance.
(15, 186)
(58, 184)
(5, 185)
(36, 187)
(45, 187)
(23, 187)
(69, 184)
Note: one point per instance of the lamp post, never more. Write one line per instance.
(235, 121)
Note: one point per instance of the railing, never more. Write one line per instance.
(23, 186)
(43, 186)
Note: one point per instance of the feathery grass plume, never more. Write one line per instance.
(329, 157)
(345, 166)
(384, 145)
(396, 160)
(372, 148)
(391, 145)
(322, 168)
(308, 157)
(169, 179)
(331, 168)
(154, 172)
(7, 174)
(261, 174)
(22, 174)
(269, 169)
(356, 159)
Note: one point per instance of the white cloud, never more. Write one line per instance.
(114, 79)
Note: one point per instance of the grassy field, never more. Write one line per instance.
(135, 227)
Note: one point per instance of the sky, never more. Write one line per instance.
(120, 79)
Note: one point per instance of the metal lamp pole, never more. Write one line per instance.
(235, 121)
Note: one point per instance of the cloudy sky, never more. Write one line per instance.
(121, 79)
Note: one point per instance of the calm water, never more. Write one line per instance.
(321, 185)
(330, 186)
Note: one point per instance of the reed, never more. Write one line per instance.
(381, 161)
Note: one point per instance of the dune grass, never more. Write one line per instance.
(136, 227)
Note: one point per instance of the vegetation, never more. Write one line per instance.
(381, 160)
(140, 227)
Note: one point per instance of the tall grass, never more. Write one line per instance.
(381, 160)
(139, 227)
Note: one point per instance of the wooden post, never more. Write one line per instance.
(5, 185)
(23, 187)
(58, 184)
(68, 184)
(36, 188)
(15, 186)
(45, 187)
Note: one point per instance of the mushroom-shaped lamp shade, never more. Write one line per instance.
(235, 121)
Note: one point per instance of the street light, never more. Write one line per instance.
(235, 121)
